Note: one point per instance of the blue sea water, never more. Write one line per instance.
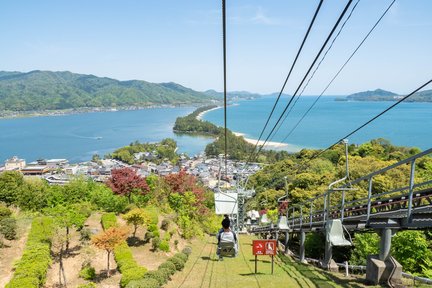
(77, 137)
(407, 124)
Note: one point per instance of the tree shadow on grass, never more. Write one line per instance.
(102, 275)
(135, 241)
(262, 261)
(252, 274)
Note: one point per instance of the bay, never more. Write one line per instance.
(77, 137)
(407, 124)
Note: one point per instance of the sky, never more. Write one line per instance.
(181, 41)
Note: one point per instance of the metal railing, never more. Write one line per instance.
(342, 203)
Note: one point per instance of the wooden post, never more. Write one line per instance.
(256, 264)
(272, 263)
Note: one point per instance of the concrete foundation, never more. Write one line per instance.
(381, 272)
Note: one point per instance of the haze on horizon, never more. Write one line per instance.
(172, 41)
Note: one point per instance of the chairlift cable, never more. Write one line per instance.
(368, 122)
(224, 81)
(316, 68)
(289, 74)
(307, 73)
(340, 70)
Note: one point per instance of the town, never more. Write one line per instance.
(206, 169)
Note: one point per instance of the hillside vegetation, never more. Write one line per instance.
(383, 95)
(46, 90)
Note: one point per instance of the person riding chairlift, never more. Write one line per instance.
(226, 236)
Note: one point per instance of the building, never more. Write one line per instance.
(15, 163)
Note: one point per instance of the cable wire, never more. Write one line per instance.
(368, 122)
(307, 73)
(224, 82)
(316, 68)
(289, 73)
(340, 70)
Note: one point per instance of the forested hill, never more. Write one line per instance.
(383, 95)
(46, 90)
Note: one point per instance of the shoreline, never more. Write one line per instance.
(201, 115)
(6, 114)
(270, 144)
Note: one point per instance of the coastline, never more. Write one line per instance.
(201, 115)
(270, 144)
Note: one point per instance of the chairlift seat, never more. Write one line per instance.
(226, 249)
(335, 233)
(283, 223)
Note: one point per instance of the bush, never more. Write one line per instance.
(132, 274)
(104, 199)
(166, 272)
(108, 220)
(148, 236)
(167, 237)
(157, 275)
(182, 256)
(4, 211)
(127, 264)
(144, 283)
(179, 263)
(85, 235)
(165, 224)
(87, 272)
(170, 266)
(155, 243)
(164, 246)
(31, 270)
(8, 228)
(187, 250)
(87, 285)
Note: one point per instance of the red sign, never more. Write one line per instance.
(264, 247)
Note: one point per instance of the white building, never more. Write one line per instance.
(15, 163)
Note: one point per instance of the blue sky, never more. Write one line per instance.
(180, 41)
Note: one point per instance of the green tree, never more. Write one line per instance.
(136, 217)
(10, 184)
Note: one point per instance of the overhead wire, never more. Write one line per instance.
(224, 83)
(339, 71)
(289, 73)
(307, 73)
(367, 122)
(316, 68)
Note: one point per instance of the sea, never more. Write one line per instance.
(77, 137)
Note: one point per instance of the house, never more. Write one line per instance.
(35, 170)
(14, 163)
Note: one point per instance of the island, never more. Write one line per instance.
(383, 95)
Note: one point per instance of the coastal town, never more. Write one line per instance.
(206, 169)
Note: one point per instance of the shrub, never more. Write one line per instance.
(127, 264)
(167, 237)
(179, 263)
(8, 228)
(31, 270)
(87, 272)
(108, 220)
(129, 275)
(170, 266)
(144, 283)
(87, 285)
(148, 236)
(187, 250)
(176, 242)
(85, 235)
(164, 246)
(172, 232)
(166, 272)
(157, 275)
(182, 256)
(155, 243)
(4, 211)
(165, 224)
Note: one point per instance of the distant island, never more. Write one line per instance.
(47, 90)
(383, 95)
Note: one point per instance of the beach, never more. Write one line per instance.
(200, 115)
(270, 144)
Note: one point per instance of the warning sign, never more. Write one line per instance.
(264, 247)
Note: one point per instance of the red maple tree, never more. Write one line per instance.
(125, 181)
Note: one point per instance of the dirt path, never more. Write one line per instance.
(204, 270)
(79, 253)
(13, 251)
